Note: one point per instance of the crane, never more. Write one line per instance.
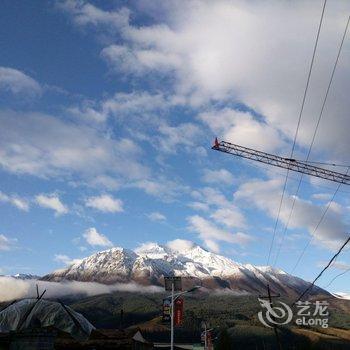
(286, 163)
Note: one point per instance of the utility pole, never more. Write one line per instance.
(174, 284)
(269, 296)
(172, 316)
(207, 336)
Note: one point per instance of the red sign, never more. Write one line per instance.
(178, 311)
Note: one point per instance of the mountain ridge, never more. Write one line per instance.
(148, 265)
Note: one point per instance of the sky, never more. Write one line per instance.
(108, 111)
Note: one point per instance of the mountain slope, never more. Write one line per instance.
(150, 263)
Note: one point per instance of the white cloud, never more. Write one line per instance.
(240, 51)
(156, 216)
(19, 203)
(139, 61)
(230, 217)
(78, 152)
(16, 82)
(61, 258)
(65, 149)
(340, 265)
(322, 196)
(171, 137)
(105, 203)
(222, 210)
(6, 243)
(13, 288)
(220, 176)
(137, 107)
(166, 190)
(51, 201)
(210, 233)
(265, 195)
(95, 238)
(85, 14)
(199, 206)
(180, 245)
(243, 129)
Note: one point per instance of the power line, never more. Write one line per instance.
(314, 135)
(334, 278)
(273, 171)
(321, 273)
(297, 128)
(327, 164)
(317, 226)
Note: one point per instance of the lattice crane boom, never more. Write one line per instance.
(286, 163)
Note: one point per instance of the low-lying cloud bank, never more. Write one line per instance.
(13, 288)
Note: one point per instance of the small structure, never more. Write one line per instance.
(140, 343)
(34, 323)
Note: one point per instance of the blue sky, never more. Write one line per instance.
(108, 112)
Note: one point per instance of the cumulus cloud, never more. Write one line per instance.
(182, 135)
(105, 203)
(62, 258)
(220, 176)
(156, 216)
(85, 14)
(229, 217)
(18, 202)
(265, 195)
(139, 61)
(12, 288)
(160, 187)
(64, 149)
(133, 106)
(75, 150)
(180, 245)
(223, 211)
(243, 129)
(95, 238)
(17, 82)
(232, 50)
(51, 201)
(211, 233)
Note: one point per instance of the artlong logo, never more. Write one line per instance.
(283, 314)
(277, 315)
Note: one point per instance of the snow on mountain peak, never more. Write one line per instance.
(151, 261)
(151, 250)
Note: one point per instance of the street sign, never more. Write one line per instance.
(178, 311)
(168, 281)
(166, 310)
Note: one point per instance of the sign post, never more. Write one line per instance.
(172, 284)
(172, 317)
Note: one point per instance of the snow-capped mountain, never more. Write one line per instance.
(24, 276)
(148, 265)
